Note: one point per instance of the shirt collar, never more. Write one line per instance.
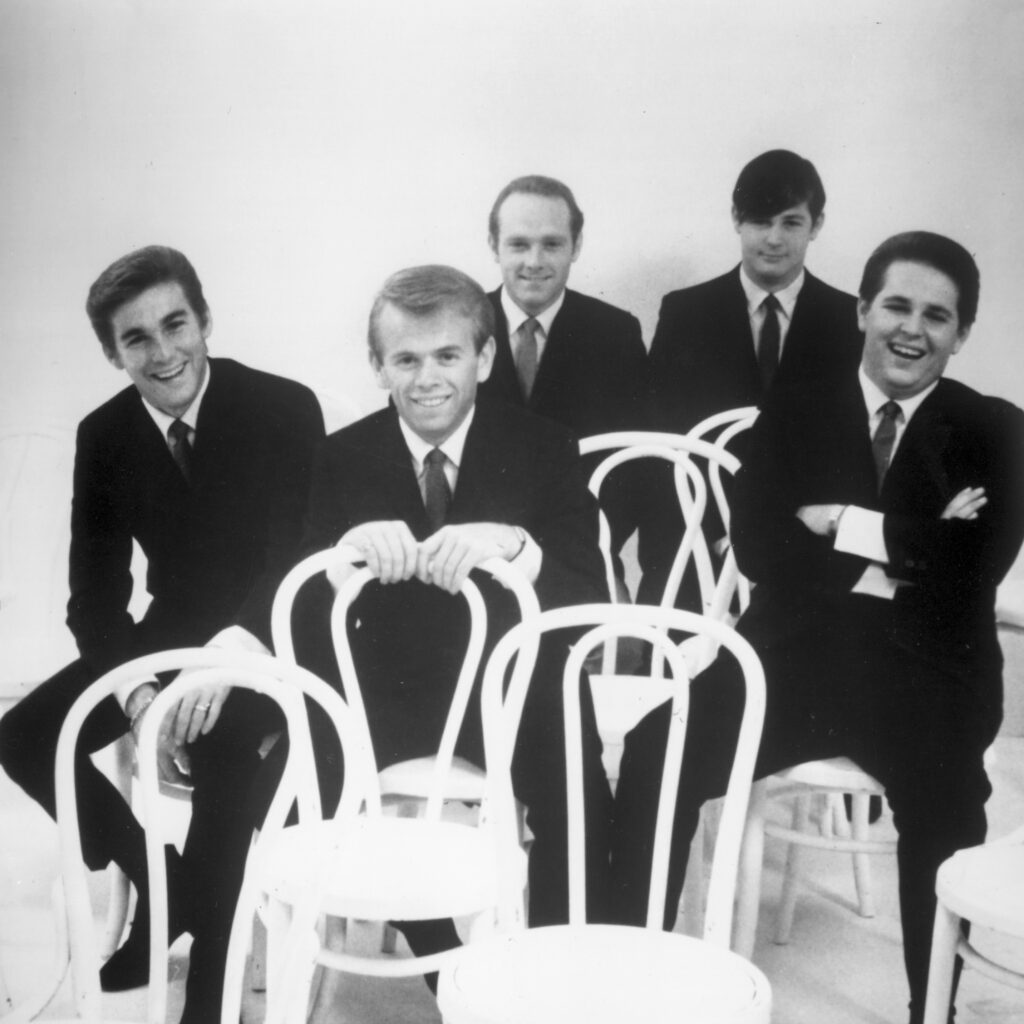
(452, 448)
(875, 397)
(189, 417)
(756, 294)
(515, 317)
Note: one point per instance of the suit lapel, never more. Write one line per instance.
(399, 477)
(503, 382)
(921, 452)
(738, 332)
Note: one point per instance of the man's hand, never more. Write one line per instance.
(966, 504)
(447, 557)
(390, 550)
(197, 712)
(172, 761)
(820, 519)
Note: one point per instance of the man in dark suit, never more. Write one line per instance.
(427, 489)
(205, 464)
(877, 518)
(719, 345)
(567, 356)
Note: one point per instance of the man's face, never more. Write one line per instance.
(160, 342)
(911, 328)
(431, 367)
(535, 249)
(773, 249)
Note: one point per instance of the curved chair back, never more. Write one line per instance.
(502, 709)
(287, 685)
(338, 559)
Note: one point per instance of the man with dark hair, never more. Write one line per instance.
(719, 345)
(877, 518)
(204, 463)
(427, 489)
(567, 356)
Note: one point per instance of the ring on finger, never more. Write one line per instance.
(202, 707)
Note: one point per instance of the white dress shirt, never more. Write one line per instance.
(515, 318)
(755, 309)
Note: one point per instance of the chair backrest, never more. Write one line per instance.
(501, 714)
(336, 558)
(287, 685)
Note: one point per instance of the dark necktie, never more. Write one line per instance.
(526, 356)
(885, 437)
(768, 343)
(437, 495)
(181, 450)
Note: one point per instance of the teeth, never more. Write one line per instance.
(431, 402)
(906, 353)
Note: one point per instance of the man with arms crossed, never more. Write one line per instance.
(877, 518)
(205, 463)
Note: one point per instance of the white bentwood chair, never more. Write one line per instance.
(983, 885)
(286, 684)
(393, 868)
(596, 972)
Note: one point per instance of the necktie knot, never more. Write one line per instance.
(527, 356)
(181, 450)
(437, 494)
(769, 342)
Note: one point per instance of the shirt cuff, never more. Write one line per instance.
(861, 533)
(238, 638)
(123, 692)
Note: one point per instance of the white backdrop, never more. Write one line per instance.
(299, 152)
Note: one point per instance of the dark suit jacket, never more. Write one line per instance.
(206, 543)
(818, 450)
(518, 469)
(703, 361)
(593, 377)
(593, 373)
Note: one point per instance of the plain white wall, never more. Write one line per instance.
(299, 152)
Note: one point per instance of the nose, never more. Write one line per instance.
(428, 375)
(774, 235)
(163, 348)
(912, 324)
(533, 256)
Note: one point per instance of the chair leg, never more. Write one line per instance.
(258, 974)
(787, 899)
(861, 861)
(748, 888)
(945, 936)
(117, 911)
(324, 983)
(389, 940)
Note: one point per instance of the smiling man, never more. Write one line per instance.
(204, 464)
(428, 488)
(721, 344)
(564, 355)
(877, 517)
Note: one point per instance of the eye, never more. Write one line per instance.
(447, 358)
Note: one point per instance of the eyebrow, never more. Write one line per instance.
(139, 332)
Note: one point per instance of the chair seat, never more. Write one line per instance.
(597, 973)
(839, 773)
(985, 885)
(420, 869)
(465, 781)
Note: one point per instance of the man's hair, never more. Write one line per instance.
(130, 276)
(537, 185)
(428, 290)
(776, 181)
(935, 251)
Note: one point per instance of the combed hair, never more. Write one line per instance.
(537, 185)
(935, 251)
(130, 276)
(775, 181)
(431, 289)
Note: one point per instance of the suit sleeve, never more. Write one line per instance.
(668, 378)
(100, 560)
(566, 529)
(969, 554)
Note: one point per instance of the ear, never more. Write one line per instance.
(493, 244)
(485, 360)
(378, 371)
(207, 327)
(817, 225)
(862, 312)
(962, 336)
(576, 246)
(113, 357)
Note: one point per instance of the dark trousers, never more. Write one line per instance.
(225, 806)
(849, 690)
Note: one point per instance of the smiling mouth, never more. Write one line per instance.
(431, 403)
(903, 352)
(170, 375)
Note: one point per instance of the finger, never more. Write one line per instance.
(214, 713)
(195, 725)
(410, 553)
(182, 718)
(461, 570)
